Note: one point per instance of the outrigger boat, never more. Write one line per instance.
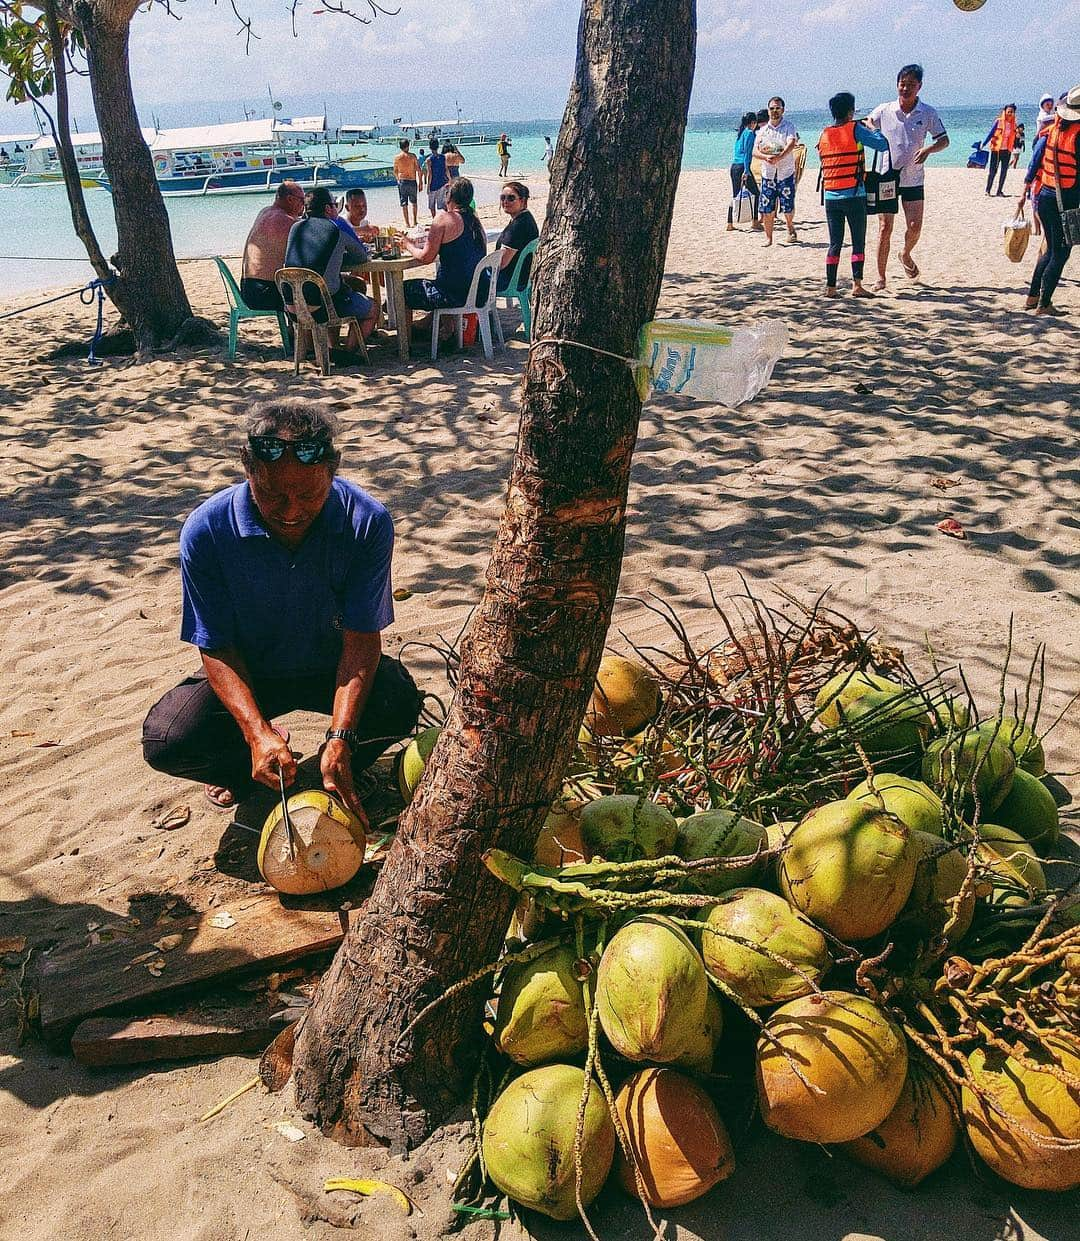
(14, 149)
(246, 157)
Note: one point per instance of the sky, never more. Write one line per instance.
(507, 60)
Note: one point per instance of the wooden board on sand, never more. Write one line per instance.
(105, 1041)
(107, 977)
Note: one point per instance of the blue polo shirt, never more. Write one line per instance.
(285, 608)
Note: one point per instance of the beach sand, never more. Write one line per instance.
(825, 482)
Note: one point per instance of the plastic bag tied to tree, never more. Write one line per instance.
(708, 362)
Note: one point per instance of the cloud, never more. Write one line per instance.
(909, 15)
(838, 11)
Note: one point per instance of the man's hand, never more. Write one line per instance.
(269, 755)
(335, 763)
(920, 155)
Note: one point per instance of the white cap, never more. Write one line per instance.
(1047, 98)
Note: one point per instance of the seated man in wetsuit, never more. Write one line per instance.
(317, 243)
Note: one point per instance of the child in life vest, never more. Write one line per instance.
(841, 148)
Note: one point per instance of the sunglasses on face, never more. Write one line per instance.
(271, 448)
(508, 198)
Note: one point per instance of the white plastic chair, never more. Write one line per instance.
(486, 314)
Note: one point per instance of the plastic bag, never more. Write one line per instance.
(1017, 235)
(708, 362)
(742, 207)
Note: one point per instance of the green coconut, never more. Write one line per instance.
(1026, 747)
(935, 894)
(799, 953)
(890, 728)
(914, 803)
(651, 990)
(1030, 809)
(698, 1056)
(413, 758)
(1028, 1129)
(724, 834)
(541, 1010)
(829, 1068)
(1014, 866)
(849, 867)
(972, 762)
(528, 1140)
(625, 828)
(844, 688)
(952, 715)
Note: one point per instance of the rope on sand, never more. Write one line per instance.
(88, 294)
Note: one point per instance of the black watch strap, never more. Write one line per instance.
(342, 734)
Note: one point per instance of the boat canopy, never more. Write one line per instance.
(197, 137)
(6, 139)
(432, 124)
(357, 129)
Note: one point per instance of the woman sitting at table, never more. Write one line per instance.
(457, 241)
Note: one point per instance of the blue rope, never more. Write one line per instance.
(87, 295)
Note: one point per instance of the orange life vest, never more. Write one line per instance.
(842, 162)
(1059, 157)
(1004, 133)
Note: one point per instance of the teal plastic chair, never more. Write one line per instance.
(238, 309)
(515, 291)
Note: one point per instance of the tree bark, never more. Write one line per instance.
(149, 291)
(530, 658)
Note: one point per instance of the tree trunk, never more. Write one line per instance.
(149, 291)
(530, 658)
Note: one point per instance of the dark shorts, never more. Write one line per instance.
(260, 294)
(912, 193)
(426, 295)
(406, 193)
(348, 302)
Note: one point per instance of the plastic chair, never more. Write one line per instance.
(239, 309)
(487, 313)
(313, 314)
(515, 291)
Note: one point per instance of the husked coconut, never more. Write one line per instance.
(327, 850)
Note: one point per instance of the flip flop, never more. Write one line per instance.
(221, 799)
(909, 268)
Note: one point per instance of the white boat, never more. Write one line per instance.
(446, 131)
(245, 157)
(14, 149)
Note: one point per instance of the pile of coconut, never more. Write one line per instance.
(781, 881)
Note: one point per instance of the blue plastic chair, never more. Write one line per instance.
(239, 309)
(515, 291)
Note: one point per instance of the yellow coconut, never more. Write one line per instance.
(528, 1140)
(328, 845)
(560, 841)
(847, 686)
(413, 759)
(849, 1051)
(1033, 1100)
(541, 1010)
(849, 867)
(935, 894)
(678, 1141)
(624, 700)
(917, 1136)
(913, 802)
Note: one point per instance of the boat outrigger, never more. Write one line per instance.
(246, 157)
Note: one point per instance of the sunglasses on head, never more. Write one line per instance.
(271, 448)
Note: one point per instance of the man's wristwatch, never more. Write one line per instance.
(343, 734)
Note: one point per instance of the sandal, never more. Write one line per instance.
(220, 798)
(908, 264)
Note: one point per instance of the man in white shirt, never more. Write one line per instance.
(775, 145)
(906, 123)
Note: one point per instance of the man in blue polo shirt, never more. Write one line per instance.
(286, 589)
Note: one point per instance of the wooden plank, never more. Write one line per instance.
(269, 931)
(103, 1041)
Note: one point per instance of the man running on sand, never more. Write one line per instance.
(906, 123)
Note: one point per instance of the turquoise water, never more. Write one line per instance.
(39, 249)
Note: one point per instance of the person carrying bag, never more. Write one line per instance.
(1017, 235)
(882, 188)
(1055, 160)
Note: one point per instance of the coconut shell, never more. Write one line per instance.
(939, 878)
(678, 1140)
(651, 990)
(528, 1140)
(626, 828)
(766, 919)
(541, 1009)
(413, 759)
(849, 867)
(1034, 1100)
(721, 834)
(847, 686)
(1030, 810)
(917, 1136)
(624, 699)
(329, 845)
(844, 1046)
(914, 803)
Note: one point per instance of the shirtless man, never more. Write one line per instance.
(264, 250)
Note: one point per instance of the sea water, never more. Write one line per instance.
(39, 249)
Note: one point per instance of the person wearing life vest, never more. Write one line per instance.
(1054, 160)
(1001, 141)
(843, 165)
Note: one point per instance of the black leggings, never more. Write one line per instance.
(998, 159)
(189, 733)
(1052, 262)
(838, 212)
(738, 171)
